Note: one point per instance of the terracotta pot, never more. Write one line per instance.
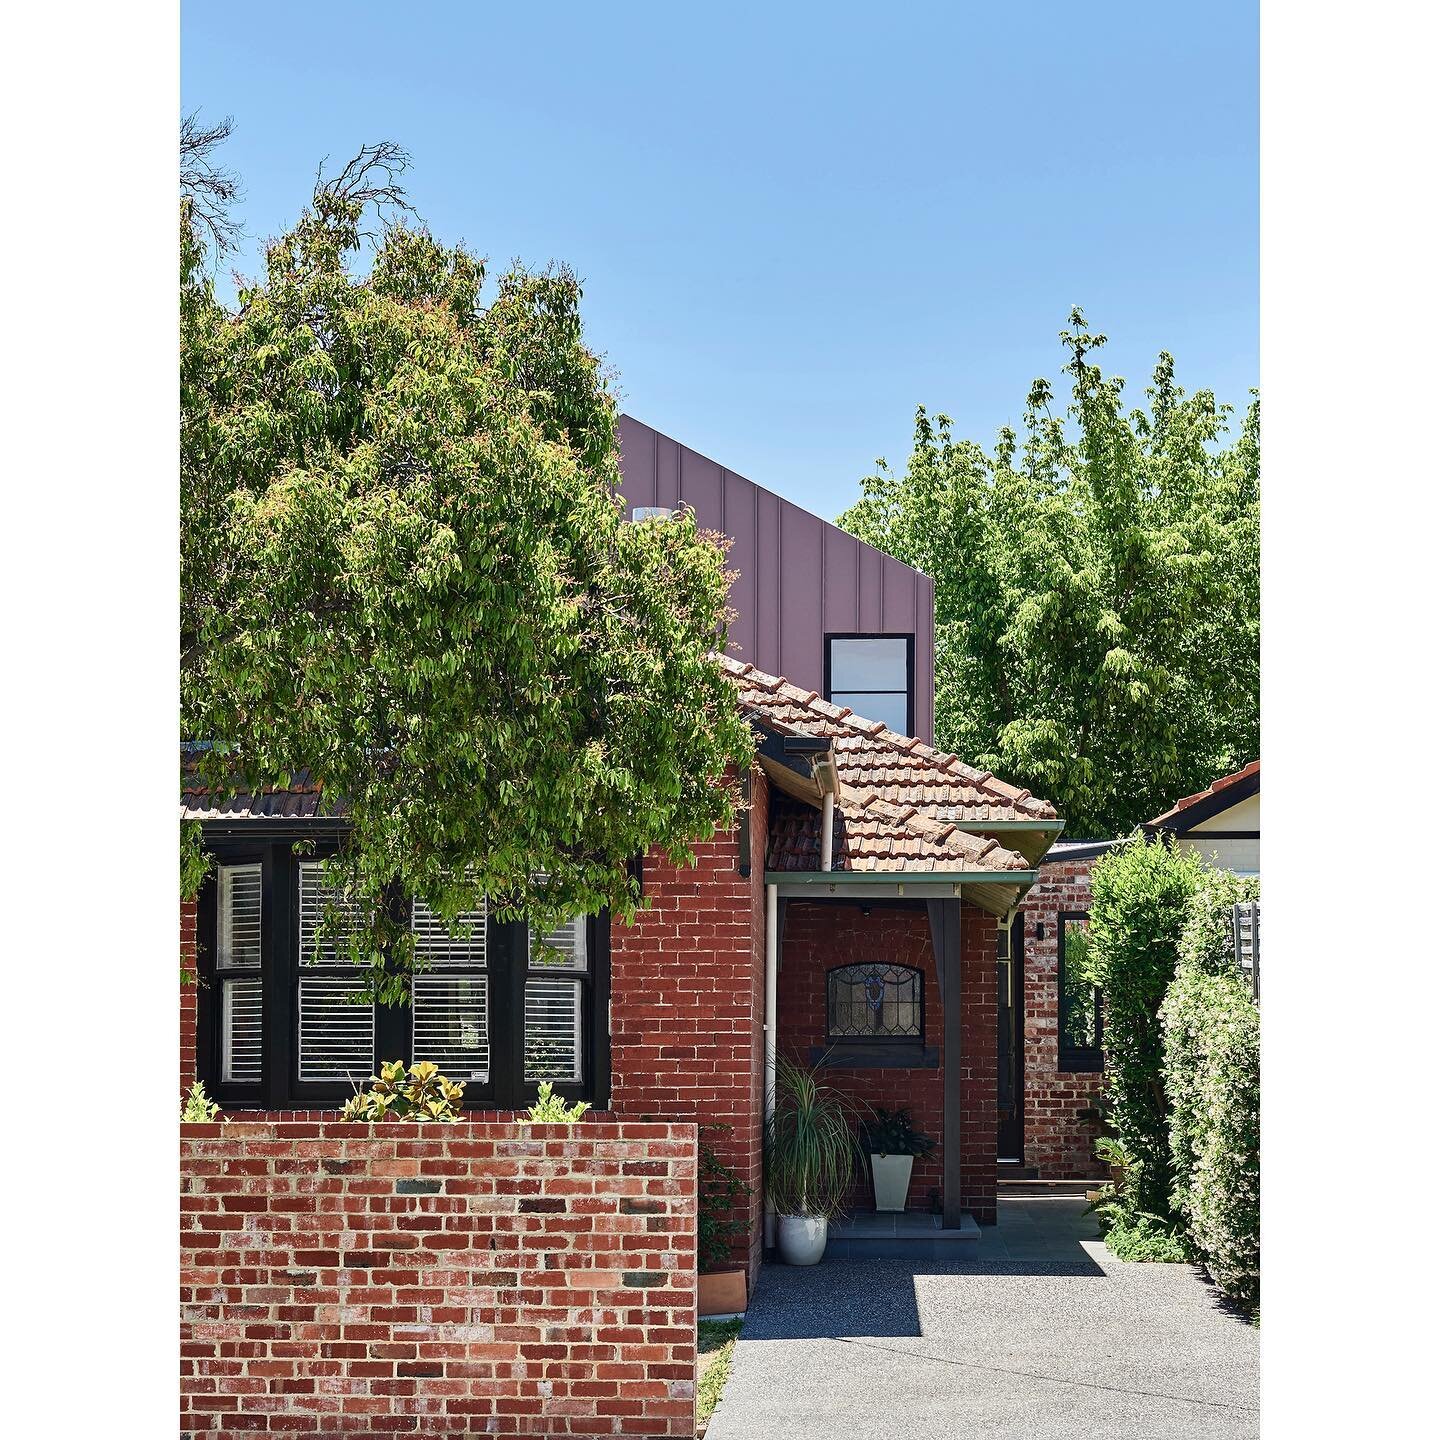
(722, 1292)
(802, 1238)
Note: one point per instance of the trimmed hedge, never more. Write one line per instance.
(1212, 1081)
(1140, 896)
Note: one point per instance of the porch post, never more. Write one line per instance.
(947, 966)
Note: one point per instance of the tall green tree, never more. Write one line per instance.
(1096, 589)
(404, 566)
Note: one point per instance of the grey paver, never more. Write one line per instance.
(1060, 1342)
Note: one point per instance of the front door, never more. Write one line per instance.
(1009, 1052)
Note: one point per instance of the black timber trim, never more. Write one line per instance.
(1216, 803)
(908, 637)
(947, 958)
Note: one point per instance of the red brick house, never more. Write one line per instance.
(668, 1019)
(866, 859)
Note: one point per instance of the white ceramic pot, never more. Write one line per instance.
(892, 1180)
(802, 1239)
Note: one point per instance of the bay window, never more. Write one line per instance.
(279, 1022)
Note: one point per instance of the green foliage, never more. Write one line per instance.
(195, 860)
(716, 1344)
(423, 1096)
(1140, 893)
(550, 1109)
(1142, 1237)
(1096, 589)
(1212, 1082)
(810, 1146)
(888, 1132)
(722, 1192)
(198, 1108)
(404, 565)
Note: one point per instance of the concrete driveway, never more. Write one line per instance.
(1046, 1337)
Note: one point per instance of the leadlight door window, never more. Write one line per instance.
(875, 1002)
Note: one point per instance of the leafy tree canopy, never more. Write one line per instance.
(1097, 589)
(404, 566)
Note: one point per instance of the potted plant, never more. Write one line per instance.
(892, 1146)
(722, 1284)
(809, 1159)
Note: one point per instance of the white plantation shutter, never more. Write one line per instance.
(336, 1035)
(569, 940)
(552, 1028)
(316, 895)
(450, 1003)
(238, 950)
(434, 940)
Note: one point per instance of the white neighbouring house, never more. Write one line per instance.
(1222, 822)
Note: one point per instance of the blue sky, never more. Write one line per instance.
(796, 223)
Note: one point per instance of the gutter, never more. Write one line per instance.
(901, 877)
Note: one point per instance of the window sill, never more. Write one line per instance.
(875, 1057)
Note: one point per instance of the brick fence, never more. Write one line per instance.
(495, 1279)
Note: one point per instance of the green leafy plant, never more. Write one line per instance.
(1140, 895)
(1212, 1082)
(810, 1145)
(198, 1108)
(422, 1096)
(406, 568)
(888, 1132)
(1097, 587)
(721, 1192)
(550, 1109)
(716, 1346)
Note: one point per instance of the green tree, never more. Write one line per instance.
(1096, 589)
(404, 566)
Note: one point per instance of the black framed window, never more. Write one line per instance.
(874, 675)
(279, 1026)
(1080, 1018)
(875, 1003)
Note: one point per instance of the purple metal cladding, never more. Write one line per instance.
(800, 577)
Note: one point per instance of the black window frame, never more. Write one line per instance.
(906, 636)
(1075, 1059)
(507, 967)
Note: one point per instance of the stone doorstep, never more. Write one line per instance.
(910, 1235)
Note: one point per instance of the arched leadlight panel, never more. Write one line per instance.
(875, 1002)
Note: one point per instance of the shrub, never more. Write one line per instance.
(198, 1108)
(888, 1132)
(810, 1148)
(423, 1097)
(1212, 1079)
(721, 1192)
(1142, 1237)
(550, 1109)
(1139, 898)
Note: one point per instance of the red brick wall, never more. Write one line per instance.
(977, 1072)
(820, 936)
(466, 1279)
(1059, 1136)
(688, 1003)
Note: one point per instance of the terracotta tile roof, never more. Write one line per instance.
(896, 768)
(300, 800)
(1224, 783)
(873, 836)
(903, 805)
